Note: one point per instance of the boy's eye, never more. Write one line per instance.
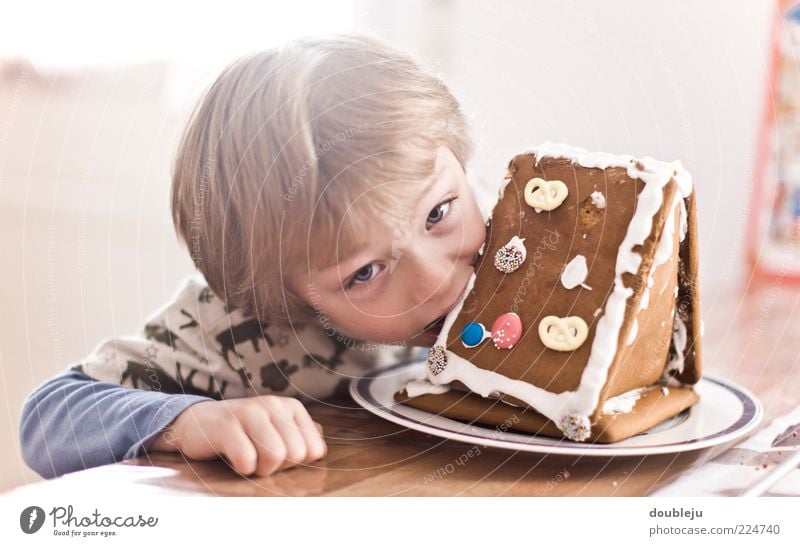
(438, 213)
(369, 272)
(363, 275)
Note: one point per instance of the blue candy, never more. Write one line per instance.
(473, 334)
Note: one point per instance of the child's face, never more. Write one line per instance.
(412, 273)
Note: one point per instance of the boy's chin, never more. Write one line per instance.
(425, 339)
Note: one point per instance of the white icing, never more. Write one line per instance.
(583, 401)
(684, 220)
(645, 299)
(665, 391)
(418, 387)
(599, 200)
(679, 338)
(485, 382)
(575, 273)
(663, 252)
(623, 403)
(518, 244)
(480, 250)
(702, 327)
(597, 311)
(633, 332)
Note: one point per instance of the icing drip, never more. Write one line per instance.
(684, 220)
(633, 332)
(623, 403)
(575, 273)
(570, 410)
(418, 387)
(599, 200)
(645, 299)
(679, 338)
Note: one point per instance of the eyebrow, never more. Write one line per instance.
(434, 179)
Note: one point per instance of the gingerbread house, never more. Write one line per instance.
(582, 319)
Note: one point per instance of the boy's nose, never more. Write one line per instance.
(431, 275)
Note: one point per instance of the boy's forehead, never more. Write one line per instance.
(384, 217)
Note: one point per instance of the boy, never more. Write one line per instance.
(320, 189)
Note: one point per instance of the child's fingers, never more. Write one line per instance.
(312, 435)
(270, 446)
(296, 448)
(235, 445)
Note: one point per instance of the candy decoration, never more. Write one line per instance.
(563, 334)
(511, 255)
(437, 359)
(545, 194)
(575, 273)
(473, 334)
(576, 427)
(506, 330)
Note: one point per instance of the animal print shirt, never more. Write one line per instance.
(194, 345)
(112, 404)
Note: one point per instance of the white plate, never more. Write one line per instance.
(724, 413)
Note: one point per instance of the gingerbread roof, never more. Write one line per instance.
(586, 290)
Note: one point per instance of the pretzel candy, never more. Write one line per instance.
(545, 194)
(563, 334)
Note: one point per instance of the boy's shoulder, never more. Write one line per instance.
(195, 343)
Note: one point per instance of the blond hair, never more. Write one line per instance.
(292, 152)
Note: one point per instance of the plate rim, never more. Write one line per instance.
(751, 417)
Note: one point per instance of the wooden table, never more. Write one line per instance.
(752, 339)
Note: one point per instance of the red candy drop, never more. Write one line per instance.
(506, 330)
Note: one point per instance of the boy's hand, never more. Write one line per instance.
(258, 435)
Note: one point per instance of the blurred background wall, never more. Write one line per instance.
(93, 98)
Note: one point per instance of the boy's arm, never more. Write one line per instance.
(193, 347)
(73, 422)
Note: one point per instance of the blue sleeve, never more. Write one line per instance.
(73, 422)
